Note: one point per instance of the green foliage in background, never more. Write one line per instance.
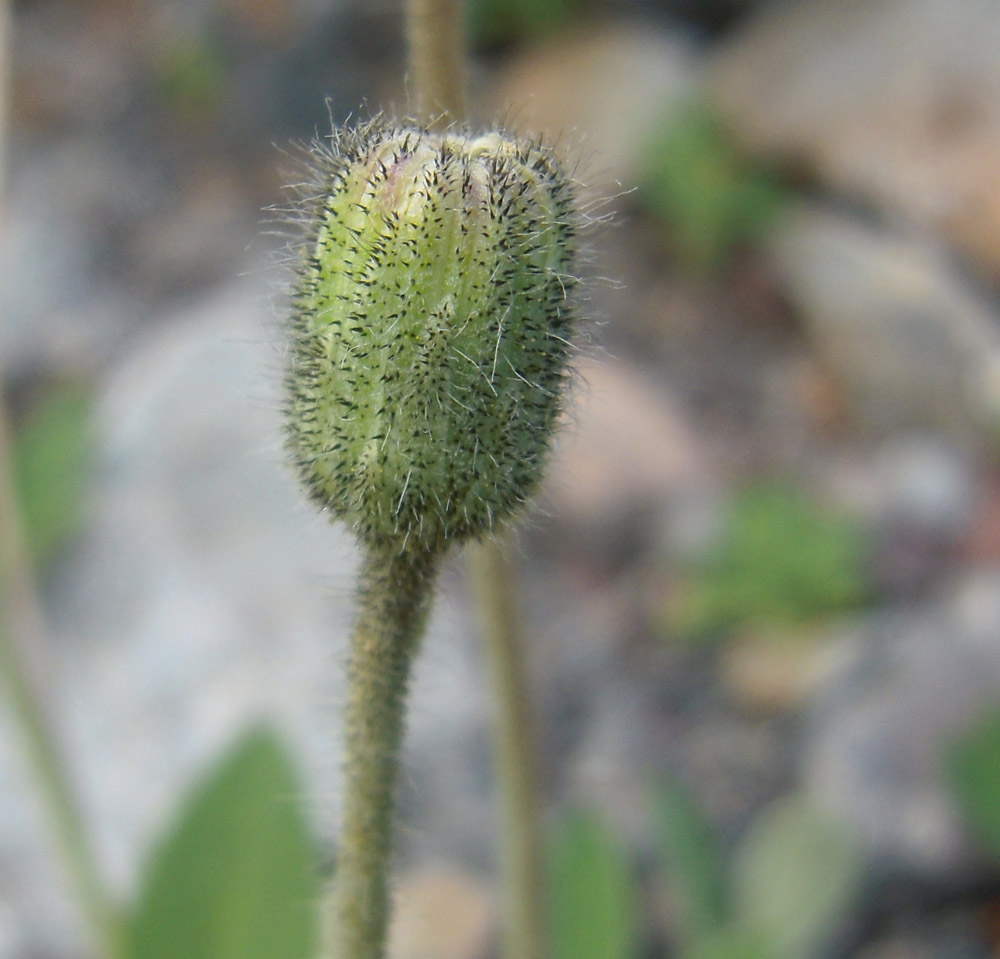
(711, 200)
(693, 865)
(793, 876)
(730, 944)
(779, 895)
(790, 880)
(595, 909)
(974, 767)
(784, 561)
(236, 877)
(192, 76)
(51, 462)
(496, 23)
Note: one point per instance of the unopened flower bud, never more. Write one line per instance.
(431, 330)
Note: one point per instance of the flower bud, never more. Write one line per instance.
(431, 330)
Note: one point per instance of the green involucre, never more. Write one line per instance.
(431, 330)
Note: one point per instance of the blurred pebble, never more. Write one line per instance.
(599, 93)
(981, 544)
(915, 479)
(894, 319)
(912, 681)
(897, 948)
(927, 483)
(442, 914)
(766, 674)
(919, 497)
(628, 442)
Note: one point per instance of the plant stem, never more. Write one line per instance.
(435, 38)
(394, 599)
(26, 671)
(438, 77)
(5, 73)
(25, 665)
(524, 894)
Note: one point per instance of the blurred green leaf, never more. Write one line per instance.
(692, 863)
(974, 764)
(795, 875)
(730, 944)
(785, 561)
(594, 904)
(493, 23)
(711, 200)
(236, 877)
(51, 459)
(192, 75)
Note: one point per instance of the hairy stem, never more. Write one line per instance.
(394, 598)
(521, 858)
(436, 42)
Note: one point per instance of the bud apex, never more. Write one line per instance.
(431, 330)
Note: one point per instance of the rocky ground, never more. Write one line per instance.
(851, 351)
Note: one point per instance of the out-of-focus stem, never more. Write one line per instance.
(25, 670)
(438, 80)
(5, 20)
(26, 673)
(522, 852)
(436, 42)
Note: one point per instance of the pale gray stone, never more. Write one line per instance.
(599, 94)
(878, 739)
(896, 102)
(891, 315)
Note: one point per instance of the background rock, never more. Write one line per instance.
(627, 444)
(893, 318)
(442, 914)
(598, 92)
(896, 102)
(875, 753)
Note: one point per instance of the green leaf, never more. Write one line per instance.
(974, 765)
(694, 871)
(193, 75)
(730, 944)
(786, 561)
(594, 909)
(795, 875)
(496, 23)
(711, 200)
(50, 458)
(236, 877)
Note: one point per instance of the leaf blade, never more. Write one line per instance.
(795, 875)
(594, 910)
(235, 877)
(975, 778)
(693, 866)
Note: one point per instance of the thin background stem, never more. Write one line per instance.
(25, 660)
(521, 855)
(435, 38)
(437, 60)
(25, 666)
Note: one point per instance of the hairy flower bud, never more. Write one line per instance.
(431, 330)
